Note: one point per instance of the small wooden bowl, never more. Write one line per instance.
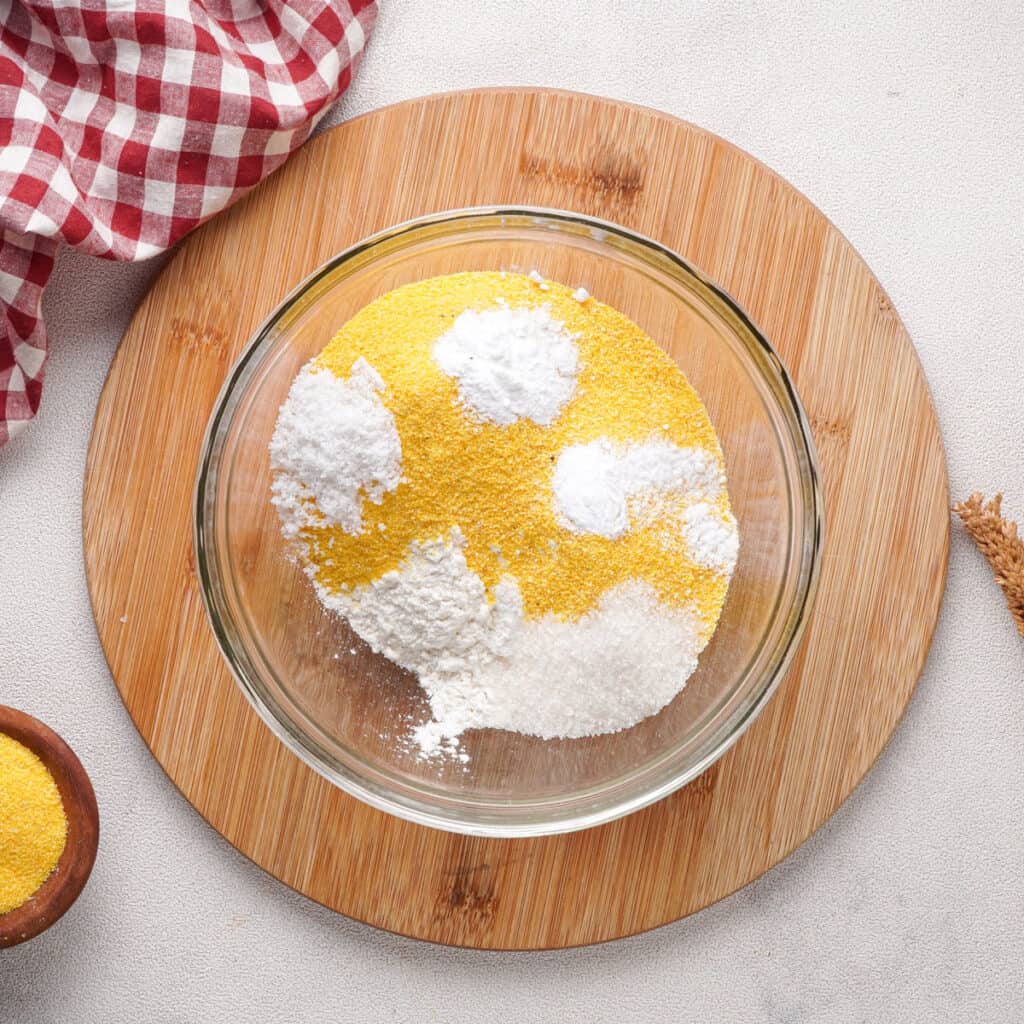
(61, 889)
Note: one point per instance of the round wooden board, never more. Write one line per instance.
(885, 498)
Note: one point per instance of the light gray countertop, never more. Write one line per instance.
(905, 124)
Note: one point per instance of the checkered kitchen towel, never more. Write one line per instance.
(125, 123)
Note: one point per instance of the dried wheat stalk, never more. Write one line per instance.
(997, 540)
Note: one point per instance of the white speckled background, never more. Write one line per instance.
(905, 124)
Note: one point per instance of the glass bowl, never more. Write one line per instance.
(347, 712)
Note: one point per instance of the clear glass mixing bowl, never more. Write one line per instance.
(346, 711)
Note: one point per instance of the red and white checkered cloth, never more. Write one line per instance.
(125, 123)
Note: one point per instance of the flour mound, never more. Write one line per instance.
(510, 364)
(482, 665)
(431, 615)
(334, 444)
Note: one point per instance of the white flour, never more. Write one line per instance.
(431, 615)
(483, 666)
(334, 441)
(510, 363)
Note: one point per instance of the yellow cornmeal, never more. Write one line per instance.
(33, 828)
(495, 482)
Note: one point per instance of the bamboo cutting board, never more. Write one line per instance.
(883, 474)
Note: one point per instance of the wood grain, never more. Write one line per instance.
(53, 898)
(881, 459)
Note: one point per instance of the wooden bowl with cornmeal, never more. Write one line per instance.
(49, 827)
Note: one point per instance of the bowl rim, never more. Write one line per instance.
(729, 732)
(67, 880)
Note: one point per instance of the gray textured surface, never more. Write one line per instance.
(907, 130)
